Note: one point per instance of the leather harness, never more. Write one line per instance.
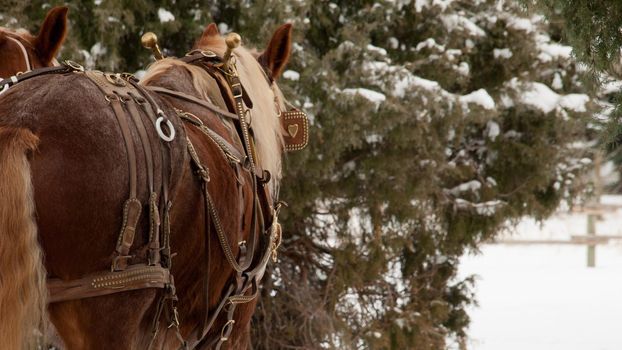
(135, 109)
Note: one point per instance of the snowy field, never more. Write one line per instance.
(543, 297)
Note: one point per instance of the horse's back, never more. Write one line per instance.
(79, 169)
(80, 175)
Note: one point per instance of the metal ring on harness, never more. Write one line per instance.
(207, 53)
(169, 125)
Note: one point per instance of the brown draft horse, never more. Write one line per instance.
(22, 52)
(64, 180)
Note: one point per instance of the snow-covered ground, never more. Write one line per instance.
(543, 297)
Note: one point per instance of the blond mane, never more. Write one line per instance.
(265, 120)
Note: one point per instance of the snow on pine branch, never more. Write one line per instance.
(454, 22)
(541, 97)
(488, 208)
(165, 15)
(372, 96)
(398, 81)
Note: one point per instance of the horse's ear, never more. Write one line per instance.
(277, 53)
(211, 30)
(208, 35)
(52, 34)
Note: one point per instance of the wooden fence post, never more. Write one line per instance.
(591, 247)
(592, 217)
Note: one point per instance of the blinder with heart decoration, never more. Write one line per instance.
(296, 125)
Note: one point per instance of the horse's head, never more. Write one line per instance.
(21, 52)
(258, 74)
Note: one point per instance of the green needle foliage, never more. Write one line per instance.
(591, 27)
(434, 125)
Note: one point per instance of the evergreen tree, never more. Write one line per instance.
(434, 124)
(591, 27)
(593, 30)
(105, 34)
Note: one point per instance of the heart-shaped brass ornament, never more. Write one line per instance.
(293, 130)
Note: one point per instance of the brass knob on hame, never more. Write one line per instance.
(150, 41)
(233, 40)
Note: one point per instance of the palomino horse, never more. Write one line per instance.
(110, 188)
(22, 52)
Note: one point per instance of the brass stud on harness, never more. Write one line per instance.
(150, 41)
(233, 40)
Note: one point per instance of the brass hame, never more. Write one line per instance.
(233, 40)
(150, 41)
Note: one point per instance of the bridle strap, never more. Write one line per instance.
(24, 52)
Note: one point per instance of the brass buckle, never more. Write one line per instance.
(73, 65)
(278, 236)
(128, 77)
(233, 90)
(115, 79)
(175, 321)
(113, 97)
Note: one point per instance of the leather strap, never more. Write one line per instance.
(230, 152)
(35, 73)
(236, 88)
(133, 207)
(154, 215)
(200, 55)
(115, 103)
(146, 143)
(137, 276)
(165, 159)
